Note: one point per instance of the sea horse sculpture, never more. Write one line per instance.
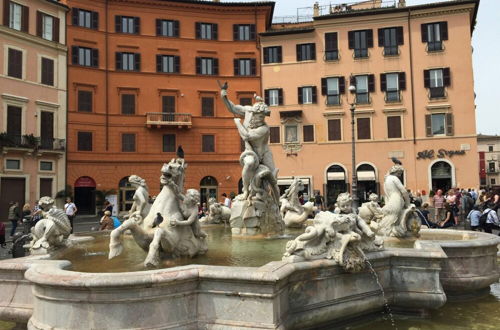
(176, 235)
(293, 213)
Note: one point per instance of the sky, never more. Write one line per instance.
(485, 41)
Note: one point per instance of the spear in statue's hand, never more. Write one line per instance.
(222, 86)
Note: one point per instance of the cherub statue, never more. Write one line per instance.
(189, 209)
(371, 212)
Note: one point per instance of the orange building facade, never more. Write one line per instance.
(414, 98)
(143, 81)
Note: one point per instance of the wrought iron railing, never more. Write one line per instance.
(30, 141)
(167, 118)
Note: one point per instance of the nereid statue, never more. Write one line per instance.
(52, 230)
(140, 208)
(256, 210)
(171, 225)
(293, 213)
(339, 236)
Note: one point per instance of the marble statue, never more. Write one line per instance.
(140, 207)
(292, 212)
(371, 212)
(341, 237)
(52, 230)
(399, 215)
(256, 210)
(217, 213)
(171, 226)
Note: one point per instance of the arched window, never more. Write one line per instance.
(208, 188)
(367, 181)
(126, 196)
(336, 183)
(441, 176)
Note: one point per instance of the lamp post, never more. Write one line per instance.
(354, 185)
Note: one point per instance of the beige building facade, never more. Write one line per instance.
(488, 147)
(32, 100)
(414, 98)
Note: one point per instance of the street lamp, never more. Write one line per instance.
(354, 185)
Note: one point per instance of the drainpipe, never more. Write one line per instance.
(67, 99)
(106, 78)
(412, 85)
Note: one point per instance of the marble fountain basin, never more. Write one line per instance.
(415, 277)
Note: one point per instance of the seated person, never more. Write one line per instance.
(449, 219)
(107, 222)
(423, 215)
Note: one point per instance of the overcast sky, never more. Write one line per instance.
(486, 56)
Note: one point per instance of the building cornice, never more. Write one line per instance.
(23, 36)
(15, 98)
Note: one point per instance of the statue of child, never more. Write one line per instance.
(189, 209)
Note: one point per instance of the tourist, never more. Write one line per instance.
(438, 203)
(108, 206)
(36, 214)
(418, 199)
(473, 218)
(2, 234)
(451, 199)
(26, 218)
(202, 210)
(318, 201)
(227, 200)
(492, 221)
(473, 194)
(423, 214)
(467, 203)
(107, 222)
(70, 209)
(449, 217)
(13, 216)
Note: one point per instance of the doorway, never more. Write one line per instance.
(85, 195)
(126, 195)
(335, 184)
(208, 189)
(367, 182)
(441, 176)
(11, 190)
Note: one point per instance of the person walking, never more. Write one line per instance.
(438, 203)
(13, 216)
(318, 201)
(26, 218)
(492, 221)
(227, 200)
(70, 209)
(473, 217)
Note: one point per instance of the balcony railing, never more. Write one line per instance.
(30, 141)
(159, 119)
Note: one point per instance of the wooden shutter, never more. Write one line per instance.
(197, 27)
(313, 51)
(334, 132)
(214, 32)
(381, 37)
(394, 127)
(341, 85)
(137, 25)
(427, 79)
(84, 141)
(443, 28)
(45, 187)
(95, 57)
(168, 104)
(128, 142)
(25, 18)
(169, 143)
(14, 121)
(299, 90)
(449, 124)
(274, 136)
(266, 96)
(137, 62)
(198, 65)
(128, 104)
(383, 82)
(279, 51)
(47, 129)
(75, 14)
(253, 67)
(402, 81)
(55, 29)
(280, 96)
(369, 38)
(363, 125)
(399, 35)
(236, 64)
(331, 41)
(350, 36)
(308, 133)
(446, 77)
(371, 83)
(176, 30)
(119, 64)
(95, 20)
(177, 64)
(266, 54)
(47, 71)
(299, 52)
(208, 143)
(428, 125)
(158, 27)
(159, 63)
(39, 24)
(74, 54)
(15, 63)
(314, 94)
(216, 66)
(84, 101)
(423, 30)
(236, 34)
(323, 86)
(252, 32)
(207, 106)
(118, 24)
(6, 12)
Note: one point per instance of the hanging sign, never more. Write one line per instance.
(441, 153)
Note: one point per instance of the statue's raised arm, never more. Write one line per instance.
(236, 109)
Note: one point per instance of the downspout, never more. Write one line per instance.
(107, 79)
(67, 99)
(412, 85)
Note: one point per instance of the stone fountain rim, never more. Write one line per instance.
(481, 240)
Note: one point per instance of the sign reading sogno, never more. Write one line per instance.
(441, 153)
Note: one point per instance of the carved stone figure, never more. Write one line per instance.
(293, 213)
(371, 212)
(399, 216)
(178, 234)
(341, 237)
(217, 212)
(52, 230)
(256, 210)
(140, 207)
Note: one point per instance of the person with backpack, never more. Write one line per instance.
(490, 219)
(473, 217)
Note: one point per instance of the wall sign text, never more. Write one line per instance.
(441, 153)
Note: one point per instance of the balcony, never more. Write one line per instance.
(29, 143)
(162, 119)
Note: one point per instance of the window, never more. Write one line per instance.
(332, 88)
(291, 134)
(436, 80)
(331, 46)
(439, 124)
(334, 130)
(128, 104)
(394, 127)
(168, 106)
(207, 106)
(307, 95)
(364, 85)
(390, 39)
(493, 181)
(308, 133)
(47, 130)
(128, 142)
(46, 165)
(207, 143)
(84, 101)
(128, 61)
(85, 18)
(274, 96)
(490, 148)
(207, 65)
(15, 63)
(47, 74)
(12, 164)
(364, 129)
(392, 84)
(127, 24)
(244, 32)
(274, 134)
(246, 101)
(491, 167)
(84, 141)
(167, 28)
(85, 56)
(14, 123)
(434, 34)
(306, 52)
(169, 143)
(168, 63)
(360, 41)
(272, 54)
(17, 16)
(244, 67)
(206, 31)
(47, 27)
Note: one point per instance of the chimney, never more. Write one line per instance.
(401, 3)
(316, 9)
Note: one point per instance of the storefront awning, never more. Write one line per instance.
(336, 176)
(366, 176)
